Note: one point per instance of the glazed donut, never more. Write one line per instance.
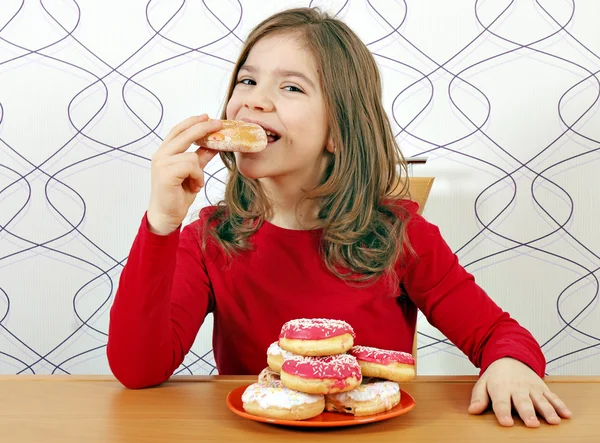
(236, 136)
(276, 356)
(390, 365)
(281, 403)
(369, 398)
(316, 337)
(321, 375)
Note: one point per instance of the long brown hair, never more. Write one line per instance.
(363, 226)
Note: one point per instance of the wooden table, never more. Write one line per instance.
(192, 409)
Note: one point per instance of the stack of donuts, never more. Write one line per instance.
(315, 367)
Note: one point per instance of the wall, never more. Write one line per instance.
(502, 97)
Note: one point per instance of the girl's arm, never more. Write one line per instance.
(163, 297)
(453, 303)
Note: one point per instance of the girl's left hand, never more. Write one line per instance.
(508, 379)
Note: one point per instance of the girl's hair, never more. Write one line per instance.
(363, 224)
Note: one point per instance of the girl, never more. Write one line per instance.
(313, 226)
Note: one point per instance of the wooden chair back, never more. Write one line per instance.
(419, 188)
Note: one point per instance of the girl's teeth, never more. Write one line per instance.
(271, 135)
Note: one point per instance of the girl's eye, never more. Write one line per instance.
(247, 81)
(292, 89)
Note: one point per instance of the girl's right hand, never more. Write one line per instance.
(177, 176)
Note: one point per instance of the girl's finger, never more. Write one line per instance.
(182, 126)
(546, 410)
(502, 406)
(183, 170)
(558, 404)
(205, 155)
(525, 408)
(479, 397)
(181, 142)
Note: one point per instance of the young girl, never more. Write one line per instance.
(314, 226)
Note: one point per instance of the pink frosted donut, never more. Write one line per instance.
(276, 356)
(321, 375)
(390, 365)
(316, 337)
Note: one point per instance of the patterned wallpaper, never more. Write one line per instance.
(501, 96)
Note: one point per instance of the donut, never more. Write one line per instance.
(321, 375)
(236, 136)
(268, 377)
(316, 337)
(281, 403)
(390, 365)
(369, 398)
(276, 356)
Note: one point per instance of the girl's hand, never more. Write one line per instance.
(509, 382)
(177, 175)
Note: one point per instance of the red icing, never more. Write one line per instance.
(381, 356)
(336, 367)
(315, 329)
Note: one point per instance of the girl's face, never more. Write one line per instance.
(278, 87)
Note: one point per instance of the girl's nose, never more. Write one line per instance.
(258, 99)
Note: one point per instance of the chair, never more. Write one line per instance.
(419, 188)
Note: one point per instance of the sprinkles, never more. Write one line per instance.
(315, 329)
(337, 367)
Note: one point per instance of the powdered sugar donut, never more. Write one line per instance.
(391, 365)
(276, 356)
(316, 336)
(369, 398)
(321, 375)
(236, 136)
(281, 403)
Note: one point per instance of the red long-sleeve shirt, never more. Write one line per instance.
(169, 285)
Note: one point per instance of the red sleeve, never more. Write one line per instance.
(453, 303)
(163, 297)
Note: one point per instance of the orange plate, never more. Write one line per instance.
(326, 419)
